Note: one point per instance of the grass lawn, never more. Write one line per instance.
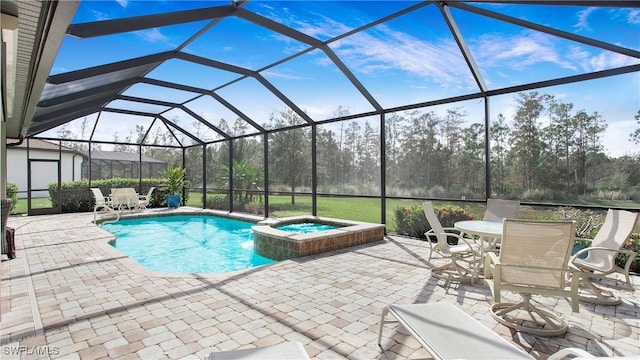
(358, 209)
(39, 203)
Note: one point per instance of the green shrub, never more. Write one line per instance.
(218, 202)
(254, 208)
(411, 221)
(12, 193)
(633, 244)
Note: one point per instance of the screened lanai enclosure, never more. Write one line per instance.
(378, 100)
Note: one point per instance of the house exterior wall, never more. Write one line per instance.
(17, 164)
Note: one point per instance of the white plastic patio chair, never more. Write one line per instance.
(102, 203)
(464, 257)
(533, 260)
(122, 198)
(601, 255)
(145, 199)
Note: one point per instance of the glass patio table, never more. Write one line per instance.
(489, 232)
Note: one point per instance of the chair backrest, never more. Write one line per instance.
(435, 224)
(498, 209)
(150, 192)
(129, 196)
(120, 196)
(616, 229)
(536, 253)
(97, 194)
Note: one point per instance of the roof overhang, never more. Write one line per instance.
(32, 32)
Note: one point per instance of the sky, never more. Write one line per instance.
(406, 60)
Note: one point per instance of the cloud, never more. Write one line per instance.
(607, 60)
(386, 49)
(153, 36)
(518, 51)
(272, 74)
(583, 19)
(633, 17)
(123, 3)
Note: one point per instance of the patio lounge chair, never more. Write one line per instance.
(447, 332)
(601, 255)
(282, 351)
(465, 256)
(533, 260)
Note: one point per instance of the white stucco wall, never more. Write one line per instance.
(17, 164)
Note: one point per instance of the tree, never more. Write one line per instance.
(289, 152)
(527, 144)
(635, 136)
(327, 159)
(587, 141)
(499, 138)
(246, 180)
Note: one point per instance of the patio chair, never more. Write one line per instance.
(282, 351)
(145, 199)
(600, 261)
(102, 203)
(464, 257)
(125, 198)
(447, 332)
(533, 260)
(497, 210)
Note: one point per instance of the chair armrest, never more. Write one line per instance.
(489, 259)
(632, 254)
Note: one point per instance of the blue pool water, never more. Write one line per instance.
(187, 244)
(305, 228)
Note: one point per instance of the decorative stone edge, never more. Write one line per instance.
(281, 245)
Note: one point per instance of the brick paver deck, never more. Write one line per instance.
(69, 295)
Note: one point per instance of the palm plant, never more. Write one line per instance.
(175, 179)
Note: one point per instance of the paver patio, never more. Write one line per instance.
(70, 295)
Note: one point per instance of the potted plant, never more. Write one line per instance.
(175, 183)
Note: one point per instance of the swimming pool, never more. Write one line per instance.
(187, 243)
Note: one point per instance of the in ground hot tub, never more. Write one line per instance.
(277, 244)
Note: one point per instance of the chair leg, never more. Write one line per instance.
(597, 295)
(383, 321)
(543, 323)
